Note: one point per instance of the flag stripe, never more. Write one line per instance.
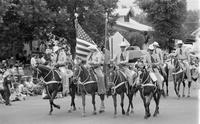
(82, 49)
(83, 42)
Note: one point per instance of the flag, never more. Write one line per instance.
(83, 42)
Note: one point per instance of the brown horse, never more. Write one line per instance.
(52, 81)
(118, 85)
(148, 90)
(87, 84)
(179, 75)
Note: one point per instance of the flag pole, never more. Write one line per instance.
(105, 50)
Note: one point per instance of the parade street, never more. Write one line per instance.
(34, 110)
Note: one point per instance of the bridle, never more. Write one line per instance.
(143, 78)
(78, 75)
(39, 71)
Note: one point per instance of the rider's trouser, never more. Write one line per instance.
(100, 80)
(65, 79)
(157, 77)
(130, 75)
(187, 67)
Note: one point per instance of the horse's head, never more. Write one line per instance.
(175, 64)
(143, 74)
(112, 74)
(38, 71)
(76, 72)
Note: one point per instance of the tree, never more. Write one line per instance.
(166, 16)
(26, 20)
(192, 22)
(136, 39)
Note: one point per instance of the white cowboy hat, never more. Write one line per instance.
(156, 44)
(123, 44)
(92, 47)
(55, 48)
(151, 47)
(179, 42)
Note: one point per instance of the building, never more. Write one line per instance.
(126, 24)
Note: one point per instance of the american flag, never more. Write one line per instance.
(83, 42)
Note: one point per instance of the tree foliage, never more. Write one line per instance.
(26, 20)
(166, 16)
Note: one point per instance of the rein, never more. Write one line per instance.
(145, 79)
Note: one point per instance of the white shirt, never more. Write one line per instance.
(33, 62)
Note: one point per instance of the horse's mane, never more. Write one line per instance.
(176, 64)
(145, 76)
(44, 67)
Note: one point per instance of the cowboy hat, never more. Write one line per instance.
(156, 44)
(55, 48)
(179, 42)
(123, 44)
(151, 47)
(92, 47)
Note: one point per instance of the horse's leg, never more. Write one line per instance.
(148, 100)
(122, 103)
(115, 104)
(72, 106)
(189, 86)
(51, 106)
(157, 100)
(93, 103)
(167, 87)
(83, 103)
(145, 105)
(178, 87)
(130, 98)
(102, 107)
(53, 97)
(175, 86)
(183, 95)
(167, 81)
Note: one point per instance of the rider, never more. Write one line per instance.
(152, 61)
(122, 60)
(95, 60)
(159, 53)
(61, 62)
(184, 58)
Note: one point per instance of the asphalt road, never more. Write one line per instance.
(34, 110)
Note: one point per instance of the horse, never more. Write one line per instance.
(179, 75)
(87, 84)
(52, 81)
(118, 85)
(165, 83)
(148, 90)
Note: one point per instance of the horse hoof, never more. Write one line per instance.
(155, 114)
(58, 107)
(127, 113)
(183, 95)
(70, 111)
(95, 113)
(123, 112)
(101, 111)
(50, 113)
(179, 96)
(83, 115)
(188, 96)
(132, 111)
(74, 109)
(115, 116)
(147, 116)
